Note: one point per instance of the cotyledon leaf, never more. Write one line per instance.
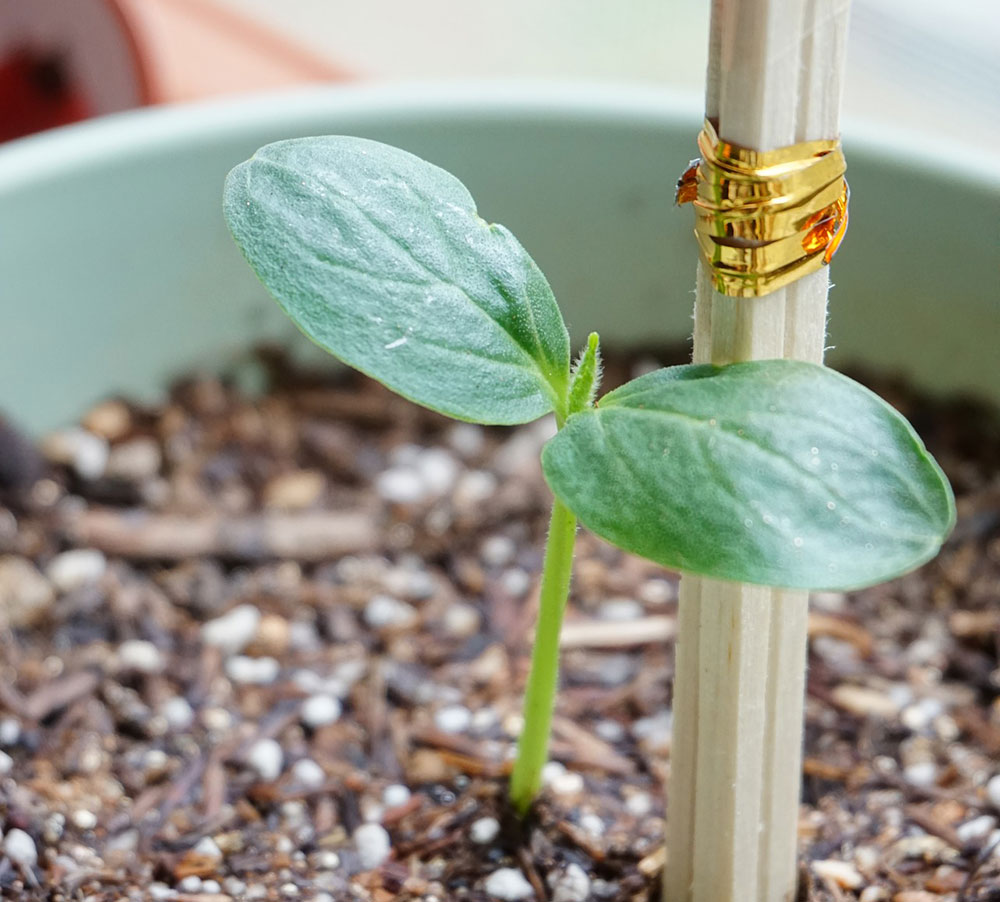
(772, 472)
(381, 259)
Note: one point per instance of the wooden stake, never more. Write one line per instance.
(774, 79)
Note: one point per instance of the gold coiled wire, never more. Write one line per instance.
(765, 218)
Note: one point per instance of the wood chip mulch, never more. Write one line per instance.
(275, 648)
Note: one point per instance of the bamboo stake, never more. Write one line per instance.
(774, 79)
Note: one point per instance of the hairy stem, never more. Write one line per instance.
(539, 697)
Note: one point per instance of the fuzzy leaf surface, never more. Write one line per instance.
(381, 259)
(773, 472)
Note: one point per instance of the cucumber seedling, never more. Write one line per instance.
(773, 472)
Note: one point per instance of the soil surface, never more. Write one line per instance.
(275, 649)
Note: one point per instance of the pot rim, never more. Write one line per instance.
(131, 133)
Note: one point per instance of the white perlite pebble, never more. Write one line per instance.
(923, 773)
(85, 452)
(509, 884)
(400, 485)
(10, 732)
(993, 791)
(467, 439)
(384, 610)
(484, 830)
(976, 829)
(252, 671)
(639, 804)
(190, 884)
(592, 823)
(208, 847)
(572, 885)
(178, 712)
(20, 848)
(75, 569)
(461, 620)
(438, 470)
(320, 710)
(6, 764)
(373, 845)
(140, 656)
(497, 551)
(233, 631)
(395, 795)
(567, 784)
(210, 887)
(83, 819)
(308, 773)
(267, 758)
(453, 719)
(620, 609)
(842, 873)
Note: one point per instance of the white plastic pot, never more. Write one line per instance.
(117, 272)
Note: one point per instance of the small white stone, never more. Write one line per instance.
(140, 656)
(190, 884)
(85, 452)
(572, 885)
(993, 791)
(372, 844)
(467, 439)
(473, 488)
(657, 591)
(266, 758)
(10, 732)
(178, 712)
(484, 830)
(516, 582)
(461, 620)
(210, 887)
(83, 819)
(592, 824)
(386, 611)
(484, 719)
(6, 764)
(609, 730)
(619, 609)
(977, 828)
(639, 804)
(308, 773)
(252, 671)
(922, 773)
(395, 795)
(20, 848)
(320, 710)
(234, 630)
(453, 719)
(289, 890)
(508, 884)
(400, 485)
(438, 469)
(208, 847)
(160, 891)
(551, 772)
(842, 873)
(498, 551)
(567, 784)
(327, 860)
(874, 894)
(75, 569)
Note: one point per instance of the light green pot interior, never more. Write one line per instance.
(117, 272)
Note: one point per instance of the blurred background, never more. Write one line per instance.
(917, 65)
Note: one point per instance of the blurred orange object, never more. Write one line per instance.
(60, 63)
(193, 48)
